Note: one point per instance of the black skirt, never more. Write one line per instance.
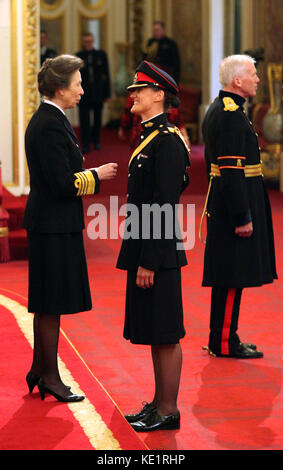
(58, 277)
(155, 315)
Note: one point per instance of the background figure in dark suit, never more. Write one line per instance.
(58, 278)
(163, 51)
(154, 312)
(45, 52)
(96, 85)
(239, 250)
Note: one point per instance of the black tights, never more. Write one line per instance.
(46, 330)
(167, 364)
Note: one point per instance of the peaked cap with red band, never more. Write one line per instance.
(147, 74)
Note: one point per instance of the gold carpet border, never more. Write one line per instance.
(99, 435)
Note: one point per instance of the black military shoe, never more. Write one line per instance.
(249, 345)
(154, 422)
(148, 408)
(245, 352)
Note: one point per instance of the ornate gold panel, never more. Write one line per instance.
(50, 4)
(31, 56)
(30, 60)
(93, 4)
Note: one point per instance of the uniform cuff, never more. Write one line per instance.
(86, 182)
(242, 219)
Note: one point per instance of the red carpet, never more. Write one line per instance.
(225, 404)
(27, 423)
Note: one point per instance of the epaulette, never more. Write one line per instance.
(229, 104)
(176, 130)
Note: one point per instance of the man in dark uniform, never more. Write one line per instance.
(150, 254)
(239, 249)
(163, 51)
(96, 86)
(45, 52)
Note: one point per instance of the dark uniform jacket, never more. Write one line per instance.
(157, 175)
(235, 199)
(57, 181)
(165, 54)
(47, 54)
(95, 76)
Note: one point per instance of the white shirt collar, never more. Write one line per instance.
(159, 114)
(54, 104)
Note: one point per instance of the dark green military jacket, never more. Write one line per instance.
(237, 196)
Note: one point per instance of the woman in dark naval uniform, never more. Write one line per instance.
(154, 313)
(58, 278)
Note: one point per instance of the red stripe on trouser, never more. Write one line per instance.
(227, 321)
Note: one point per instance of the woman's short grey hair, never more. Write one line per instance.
(233, 66)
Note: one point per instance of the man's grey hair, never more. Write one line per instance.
(233, 66)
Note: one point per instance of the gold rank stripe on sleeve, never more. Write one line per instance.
(143, 144)
(85, 183)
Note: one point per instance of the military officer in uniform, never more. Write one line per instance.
(45, 52)
(96, 85)
(154, 314)
(163, 51)
(54, 219)
(239, 250)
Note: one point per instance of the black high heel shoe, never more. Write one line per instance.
(69, 398)
(32, 380)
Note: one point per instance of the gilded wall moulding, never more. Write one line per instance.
(15, 116)
(93, 5)
(30, 60)
(50, 4)
(31, 56)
